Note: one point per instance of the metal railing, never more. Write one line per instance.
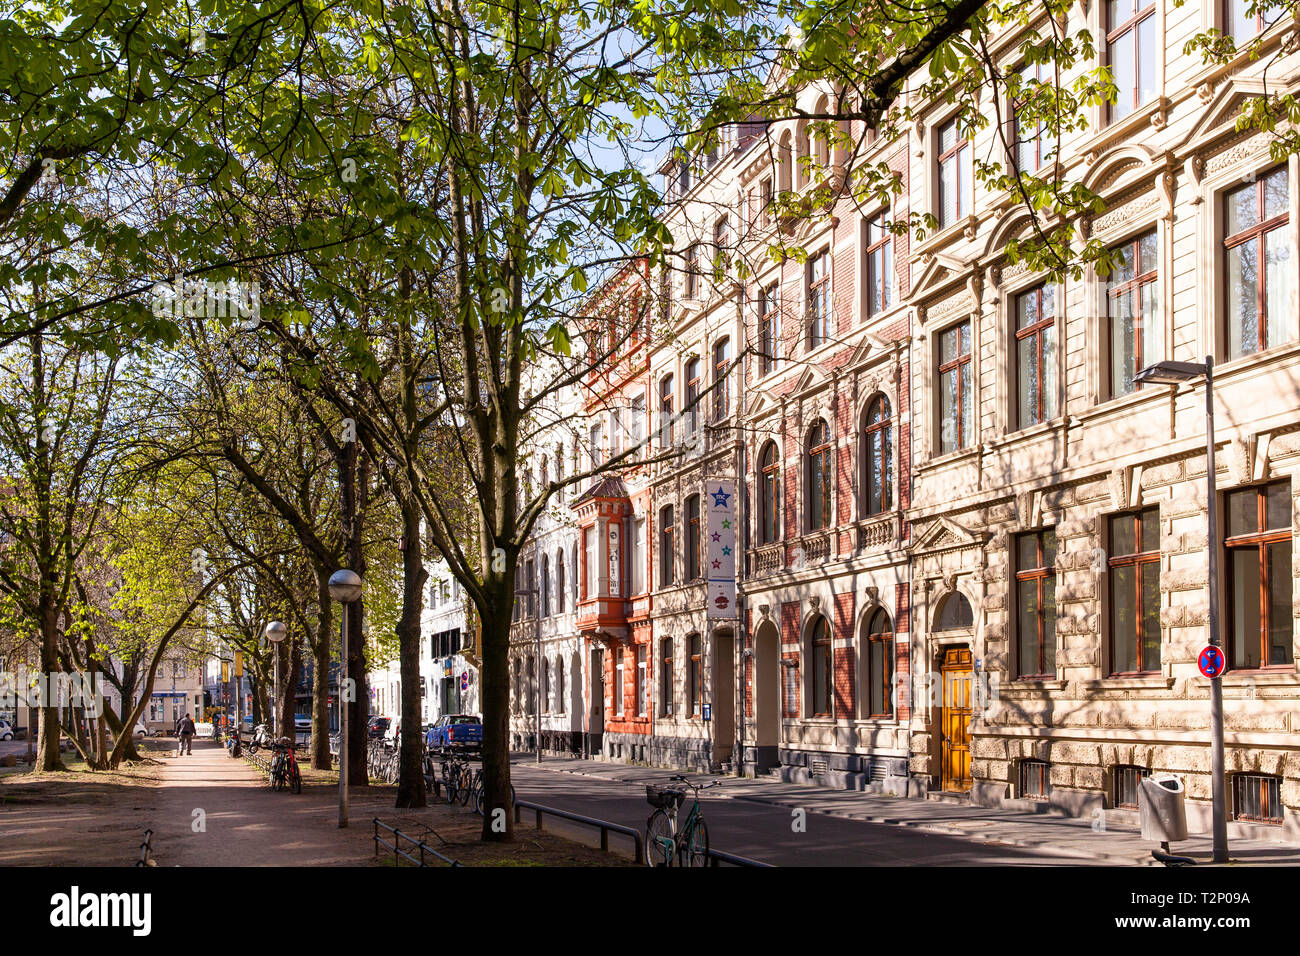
(146, 850)
(605, 827)
(719, 857)
(416, 845)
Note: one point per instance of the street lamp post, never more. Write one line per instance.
(1175, 373)
(345, 587)
(275, 632)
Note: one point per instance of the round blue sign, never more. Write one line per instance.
(1211, 661)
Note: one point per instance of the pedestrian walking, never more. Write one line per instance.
(186, 728)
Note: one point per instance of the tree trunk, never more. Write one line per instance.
(289, 664)
(49, 732)
(320, 676)
(494, 673)
(410, 781)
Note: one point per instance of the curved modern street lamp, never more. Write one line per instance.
(275, 633)
(345, 587)
(1175, 374)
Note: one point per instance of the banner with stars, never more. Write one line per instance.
(720, 547)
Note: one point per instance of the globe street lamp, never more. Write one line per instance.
(345, 587)
(275, 633)
(1174, 374)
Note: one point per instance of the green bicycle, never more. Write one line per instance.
(665, 843)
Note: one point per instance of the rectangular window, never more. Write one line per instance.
(640, 681)
(1033, 779)
(765, 200)
(880, 675)
(638, 555)
(956, 397)
(880, 265)
(819, 299)
(1244, 26)
(666, 677)
(1134, 592)
(1258, 544)
(692, 270)
(619, 685)
(1136, 338)
(1258, 251)
(769, 329)
(823, 677)
(666, 546)
(1036, 355)
(1033, 144)
(1036, 603)
(1131, 53)
(638, 423)
(1128, 780)
(691, 406)
(696, 674)
(721, 237)
(1256, 798)
(589, 547)
(692, 537)
(593, 445)
(954, 175)
(721, 393)
(615, 431)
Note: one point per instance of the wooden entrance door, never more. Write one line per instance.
(955, 718)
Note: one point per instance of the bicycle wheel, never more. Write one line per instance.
(295, 778)
(658, 840)
(697, 847)
(450, 780)
(464, 786)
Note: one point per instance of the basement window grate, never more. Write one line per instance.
(818, 766)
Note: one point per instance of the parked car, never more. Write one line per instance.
(141, 730)
(455, 731)
(377, 728)
(6, 730)
(302, 721)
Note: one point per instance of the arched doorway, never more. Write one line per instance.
(767, 699)
(723, 711)
(953, 622)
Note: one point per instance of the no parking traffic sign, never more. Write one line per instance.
(1211, 661)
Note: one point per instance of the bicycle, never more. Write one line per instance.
(456, 780)
(665, 844)
(284, 767)
(476, 793)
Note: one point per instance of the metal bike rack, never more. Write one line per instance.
(146, 850)
(398, 853)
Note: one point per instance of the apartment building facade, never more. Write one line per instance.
(975, 545)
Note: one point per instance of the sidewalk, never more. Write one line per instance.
(1119, 845)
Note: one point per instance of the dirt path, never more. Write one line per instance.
(208, 810)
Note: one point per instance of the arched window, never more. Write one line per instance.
(769, 504)
(519, 686)
(819, 477)
(721, 363)
(531, 681)
(559, 581)
(821, 673)
(879, 699)
(786, 161)
(546, 685)
(821, 140)
(546, 585)
(803, 147)
(666, 411)
(953, 614)
(878, 481)
(559, 685)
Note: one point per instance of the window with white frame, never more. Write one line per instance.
(1136, 330)
(1131, 54)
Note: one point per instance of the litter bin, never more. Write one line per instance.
(1160, 805)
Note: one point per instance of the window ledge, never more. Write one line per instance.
(1278, 676)
(1028, 432)
(947, 458)
(1128, 682)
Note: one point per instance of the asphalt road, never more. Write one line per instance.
(764, 832)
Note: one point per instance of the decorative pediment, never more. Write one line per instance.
(939, 272)
(944, 534)
(807, 380)
(1222, 107)
(870, 345)
(1120, 168)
